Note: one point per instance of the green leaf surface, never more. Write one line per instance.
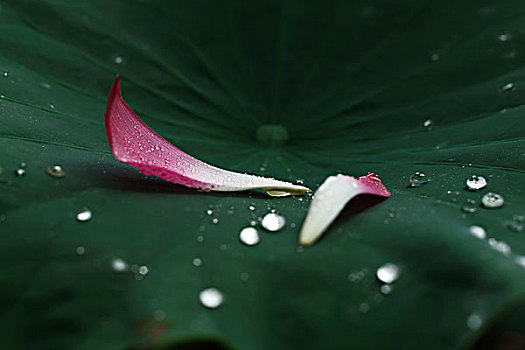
(287, 89)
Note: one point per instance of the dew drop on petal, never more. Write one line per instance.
(474, 321)
(84, 215)
(477, 231)
(273, 222)
(119, 265)
(211, 298)
(417, 179)
(56, 171)
(492, 200)
(388, 273)
(476, 182)
(249, 236)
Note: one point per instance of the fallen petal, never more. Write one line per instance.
(134, 143)
(330, 199)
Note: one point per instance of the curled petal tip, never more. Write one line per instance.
(330, 199)
(134, 143)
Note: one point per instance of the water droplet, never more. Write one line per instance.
(251, 207)
(249, 236)
(118, 60)
(476, 182)
(20, 172)
(56, 171)
(84, 215)
(159, 315)
(80, 250)
(507, 87)
(143, 270)
(474, 321)
(364, 307)
(417, 179)
(197, 262)
(215, 221)
(517, 224)
(52, 106)
(504, 37)
(209, 212)
(245, 276)
(500, 246)
(469, 206)
(23, 165)
(119, 265)
(477, 231)
(273, 222)
(300, 181)
(386, 289)
(6, 74)
(299, 249)
(427, 124)
(492, 200)
(211, 298)
(200, 239)
(388, 273)
(434, 57)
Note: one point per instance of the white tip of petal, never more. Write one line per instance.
(331, 198)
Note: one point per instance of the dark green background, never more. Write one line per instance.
(351, 82)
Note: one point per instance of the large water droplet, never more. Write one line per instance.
(477, 231)
(56, 171)
(492, 200)
(273, 222)
(249, 236)
(119, 265)
(476, 182)
(388, 273)
(469, 206)
(417, 179)
(211, 298)
(84, 215)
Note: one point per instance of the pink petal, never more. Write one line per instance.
(134, 143)
(330, 199)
